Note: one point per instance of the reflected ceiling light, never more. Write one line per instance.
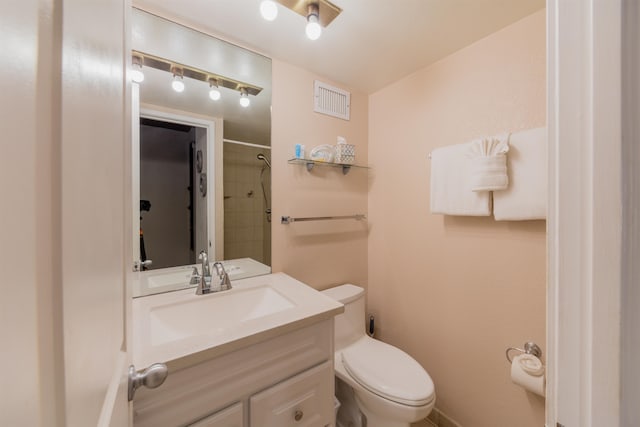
(177, 84)
(313, 29)
(181, 72)
(214, 93)
(244, 97)
(269, 10)
(136, 69)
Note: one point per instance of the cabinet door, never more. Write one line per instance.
(229, 417)
(305, 400)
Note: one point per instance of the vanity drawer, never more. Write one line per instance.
(230, 417)
(305, 400)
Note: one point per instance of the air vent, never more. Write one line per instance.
(331, 101)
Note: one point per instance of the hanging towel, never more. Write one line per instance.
(489, 163)
(450, 184)
(526, 197)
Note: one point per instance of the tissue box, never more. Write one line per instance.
(345, 154)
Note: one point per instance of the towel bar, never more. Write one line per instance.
(289, 219)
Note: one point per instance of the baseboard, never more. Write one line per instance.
(440, 419)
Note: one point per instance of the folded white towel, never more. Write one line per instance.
(450, 184)
(489, 163)
(526, 197)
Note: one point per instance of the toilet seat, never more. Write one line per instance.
(388, 372)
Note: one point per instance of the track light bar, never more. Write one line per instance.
(195, 73)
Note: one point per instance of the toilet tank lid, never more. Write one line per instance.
(344, 293)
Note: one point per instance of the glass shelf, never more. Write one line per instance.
(311, 163)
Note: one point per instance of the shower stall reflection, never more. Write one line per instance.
(247, 202)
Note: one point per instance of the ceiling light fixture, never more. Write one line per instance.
(214, 93)
(269, 10)
(244, 97)
(318, 13)
(313, 29)
(177, 84)
(136, 69)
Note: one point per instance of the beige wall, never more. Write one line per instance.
(319, 253)
(455, 292)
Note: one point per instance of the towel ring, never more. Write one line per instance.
(529, 348)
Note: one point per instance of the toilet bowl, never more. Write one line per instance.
(391, 389)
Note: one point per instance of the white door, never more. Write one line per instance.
(584, 224)
(94, 210)
(64, 126)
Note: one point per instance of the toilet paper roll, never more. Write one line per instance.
(528, 372)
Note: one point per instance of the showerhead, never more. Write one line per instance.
(264, 159)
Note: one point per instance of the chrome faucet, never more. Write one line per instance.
(223, 277)
(204, 284)
(204, 280)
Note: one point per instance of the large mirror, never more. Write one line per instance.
(202, 171)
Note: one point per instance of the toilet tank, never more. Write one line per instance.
(350, 325)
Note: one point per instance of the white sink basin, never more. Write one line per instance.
(213, 313)
(181, 328)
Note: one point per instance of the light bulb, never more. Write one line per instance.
(313, 29)
(214, 94)
(177, 84)
(269, 10)
(244, 98)
(136, 73)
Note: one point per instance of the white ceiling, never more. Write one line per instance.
(371, 44)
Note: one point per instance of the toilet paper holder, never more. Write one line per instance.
(529, 348)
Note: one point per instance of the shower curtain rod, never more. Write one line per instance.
(248, 144)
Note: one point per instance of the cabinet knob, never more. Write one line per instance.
(298, 415)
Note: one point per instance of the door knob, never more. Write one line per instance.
(139, 265)
(151, 377)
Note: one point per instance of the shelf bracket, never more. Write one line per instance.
(345, 168)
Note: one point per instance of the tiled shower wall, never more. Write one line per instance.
(247, 232)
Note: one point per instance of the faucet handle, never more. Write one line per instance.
(205, 263)
(195, 277)
(141, 265)
(225, 283)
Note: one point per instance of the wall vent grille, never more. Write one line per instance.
(331, 100)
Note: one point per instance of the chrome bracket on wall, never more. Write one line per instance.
(529, 348)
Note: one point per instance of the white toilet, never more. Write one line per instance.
(391, 389)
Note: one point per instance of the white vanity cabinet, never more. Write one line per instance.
(284, 380)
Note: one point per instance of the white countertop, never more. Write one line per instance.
(303, 306)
